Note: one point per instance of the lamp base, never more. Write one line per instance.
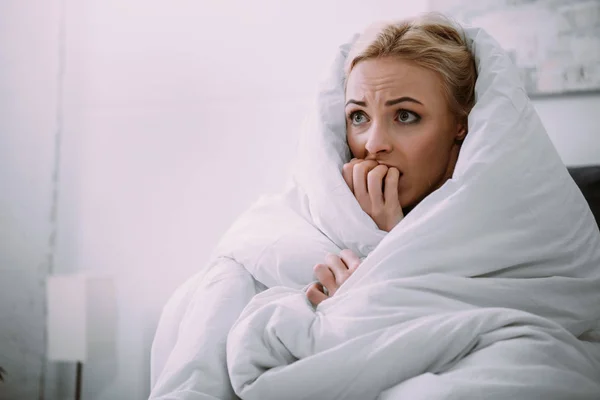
(78, 380)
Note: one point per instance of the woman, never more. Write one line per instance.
(478, 254)
(409, 89)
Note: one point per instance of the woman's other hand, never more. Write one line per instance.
(375, 186)
(331, 275)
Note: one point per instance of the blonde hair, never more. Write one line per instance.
(431, 41)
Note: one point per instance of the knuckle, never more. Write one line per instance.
(363, 169)
(371, 164)
(322, 272)
(343, 276)
(377, 173)
(346, 253)
(373, 176)
(366, 165)
(330, 257)
(324, 277)
(358, 168)
(312, 293)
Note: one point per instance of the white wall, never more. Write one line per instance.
(179, 115)
(573, 124)
(28, 126)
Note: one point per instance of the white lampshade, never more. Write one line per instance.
(81, 316)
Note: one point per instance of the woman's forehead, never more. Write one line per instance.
(382, 78)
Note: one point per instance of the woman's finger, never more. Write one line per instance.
(359, 180)
(339, 269)
(391, 186)
(347, 172)
(351, 260)
(315, 294)
(326, 277)
(374, 185)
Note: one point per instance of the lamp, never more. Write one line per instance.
(81, 319)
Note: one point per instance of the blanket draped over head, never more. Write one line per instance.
(486, 289)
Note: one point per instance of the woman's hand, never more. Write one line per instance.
(375, 186)
(331, 275)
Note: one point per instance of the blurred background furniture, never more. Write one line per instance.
(588, 180)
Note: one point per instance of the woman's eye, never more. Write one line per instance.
(408, 117)
(358, 118)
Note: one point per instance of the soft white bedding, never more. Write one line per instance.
(480, 292)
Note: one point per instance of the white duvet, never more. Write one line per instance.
(488, 289)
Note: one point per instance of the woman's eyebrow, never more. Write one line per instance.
(387, 103)
(360, 103)
(402, 100)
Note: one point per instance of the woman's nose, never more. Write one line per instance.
(378, 140)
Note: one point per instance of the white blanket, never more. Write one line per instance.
(485, 290)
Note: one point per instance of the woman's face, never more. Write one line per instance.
(396, 114)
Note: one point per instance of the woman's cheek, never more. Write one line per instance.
(357, 146)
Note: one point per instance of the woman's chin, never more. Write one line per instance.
(406, 203)
(408, 199)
